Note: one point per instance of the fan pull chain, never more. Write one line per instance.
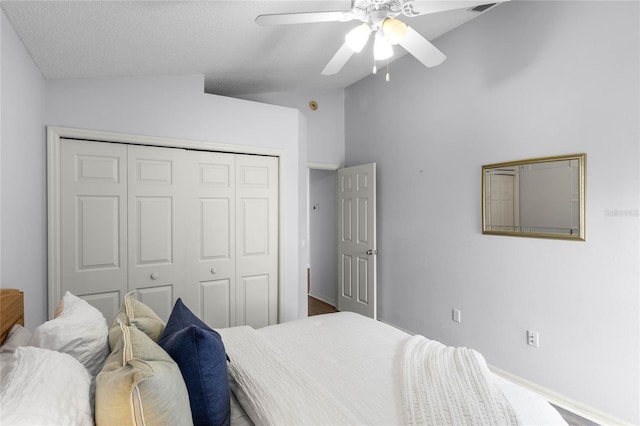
(375, 70)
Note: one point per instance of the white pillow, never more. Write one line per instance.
(18, 336)
(79, 330)
(45, 388)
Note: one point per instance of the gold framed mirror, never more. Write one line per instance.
(538, 197)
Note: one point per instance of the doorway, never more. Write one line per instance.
(323, 234)
(342, 238)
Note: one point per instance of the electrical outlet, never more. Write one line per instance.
(533, 339)
(456, 315)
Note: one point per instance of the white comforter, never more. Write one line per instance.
(280, 393)
(357, 362)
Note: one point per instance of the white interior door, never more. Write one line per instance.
(157, 225)
(211, 240)
(502, 207)
(357, 240)
(93, 222)
(256, 240)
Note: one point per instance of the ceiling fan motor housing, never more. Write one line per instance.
(375, 11)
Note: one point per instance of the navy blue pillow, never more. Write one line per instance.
(200, 354)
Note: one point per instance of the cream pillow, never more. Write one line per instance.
(133, 312)
(79, 330)
(140, 384)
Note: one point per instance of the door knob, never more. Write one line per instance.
(154, 276)
(213, 271)
(371, 252)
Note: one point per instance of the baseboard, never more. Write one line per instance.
(578, 408)
(575, 407)
(323, 166)
(323, 299)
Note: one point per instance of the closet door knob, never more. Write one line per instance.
(154, 276)
(213, 271)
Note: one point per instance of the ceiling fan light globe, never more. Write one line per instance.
(382, 49)
(357, 37)
(394, 30)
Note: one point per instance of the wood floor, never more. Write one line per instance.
(574, 419)
(318, 307)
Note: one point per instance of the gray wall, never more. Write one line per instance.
(325, 139)
(527, 79)
(545, 197)
(23, 168)
(165, 106)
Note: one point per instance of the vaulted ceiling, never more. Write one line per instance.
(220, 39)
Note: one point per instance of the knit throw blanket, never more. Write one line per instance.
(450, 386)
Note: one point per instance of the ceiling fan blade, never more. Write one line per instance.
(339, 59)
(304, 18)
(422, 49)
(425, 7)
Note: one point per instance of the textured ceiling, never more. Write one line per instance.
(78, 39)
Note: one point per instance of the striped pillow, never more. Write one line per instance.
(134, 312)
(140, 384)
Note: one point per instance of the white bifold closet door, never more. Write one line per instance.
(93, 223)
(233, 252)
(171, 223)
(256, 240)
(157, 225)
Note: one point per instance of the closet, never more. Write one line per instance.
(169, 223)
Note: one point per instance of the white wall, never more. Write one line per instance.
(23, 181)
(177, 107)
(325, 125)
(526, 79)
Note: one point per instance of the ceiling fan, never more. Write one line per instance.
(378, 17)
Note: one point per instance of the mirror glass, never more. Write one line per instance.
(539, 197)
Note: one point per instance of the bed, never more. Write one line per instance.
(337, 368)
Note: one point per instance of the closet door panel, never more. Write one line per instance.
(160, 298)
(93, 222)
(211, 239)
(217, 306)
(257, 240)
(153, 222)
(107, 303)
(253, 300)
(157, 225)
